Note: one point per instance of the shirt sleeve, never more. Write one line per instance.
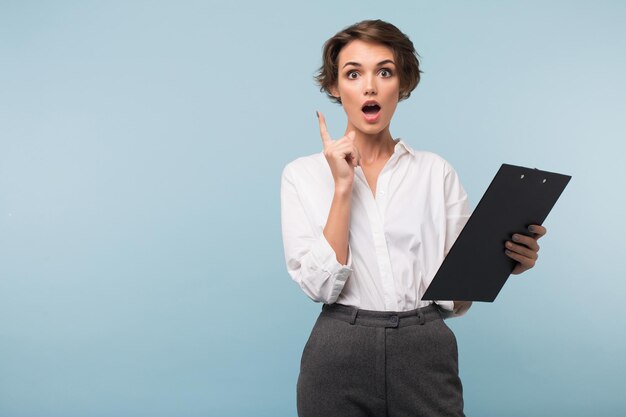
(311, 261)
(457, 215)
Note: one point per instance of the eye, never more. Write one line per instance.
(386, 73)
(352, 75)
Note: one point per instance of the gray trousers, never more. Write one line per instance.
(360, 363)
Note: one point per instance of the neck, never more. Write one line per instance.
(373, 147)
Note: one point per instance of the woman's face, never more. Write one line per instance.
(368, 86)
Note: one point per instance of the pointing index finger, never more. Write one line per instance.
(326, 139)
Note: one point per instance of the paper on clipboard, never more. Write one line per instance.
(476, 268)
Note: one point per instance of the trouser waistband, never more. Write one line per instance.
(371, 318)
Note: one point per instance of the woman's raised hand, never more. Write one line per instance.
(341, 154)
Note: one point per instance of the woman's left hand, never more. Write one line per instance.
(525, 249)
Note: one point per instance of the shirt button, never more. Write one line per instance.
(393, 319)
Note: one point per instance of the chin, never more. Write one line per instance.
(372, 129)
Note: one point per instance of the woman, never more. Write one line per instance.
(366, 225)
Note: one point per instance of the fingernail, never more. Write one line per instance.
(531, 229)
(516, 237)
(317, 114)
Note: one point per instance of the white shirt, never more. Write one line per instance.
(397, 239)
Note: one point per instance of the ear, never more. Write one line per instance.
(334, 91)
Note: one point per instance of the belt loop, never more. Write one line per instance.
(355, 311)
(421, 317)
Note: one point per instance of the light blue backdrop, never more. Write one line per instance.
(141, 146)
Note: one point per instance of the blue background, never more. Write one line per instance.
(141, 146)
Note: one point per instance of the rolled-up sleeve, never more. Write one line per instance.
(311, 261)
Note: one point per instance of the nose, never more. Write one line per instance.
(370, 86)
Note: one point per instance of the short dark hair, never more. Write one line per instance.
(376, 31)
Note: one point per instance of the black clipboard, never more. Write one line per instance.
(476, 267)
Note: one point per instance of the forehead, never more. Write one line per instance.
(364, 53)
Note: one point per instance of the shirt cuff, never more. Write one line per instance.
(337, 274)
(326, 258)
(447, 305)
(448, 309)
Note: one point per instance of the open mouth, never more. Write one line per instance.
(371, 112)
(371, 109)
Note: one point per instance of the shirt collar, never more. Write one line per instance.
(402, 146)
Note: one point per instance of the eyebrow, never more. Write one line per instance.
(356, 64)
